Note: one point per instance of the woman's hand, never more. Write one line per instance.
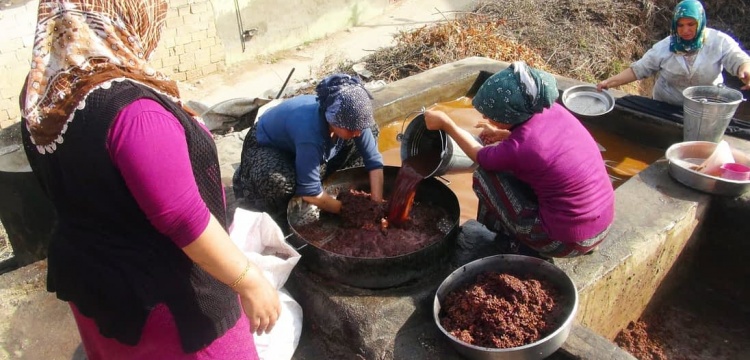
(490, 133)
(377, 179)
(436, 120)
(624, 77)
(260, 301)
(325, 202)
(602, 85)
(744, 74)
(215, 252)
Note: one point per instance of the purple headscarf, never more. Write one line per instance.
(345, 102)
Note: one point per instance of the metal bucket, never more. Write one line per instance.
(707, 111)
(419, 140)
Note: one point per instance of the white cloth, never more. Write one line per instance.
(719, 52)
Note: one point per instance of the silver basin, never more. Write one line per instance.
(586, 100)
(514, 265)
(682, 156)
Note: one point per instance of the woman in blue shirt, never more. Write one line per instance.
(294, 145)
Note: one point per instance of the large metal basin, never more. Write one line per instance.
(683, 155)
(374, 273)
(514, 265)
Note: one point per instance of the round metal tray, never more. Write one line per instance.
(683, 156)
(586, 100)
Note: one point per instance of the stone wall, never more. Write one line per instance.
(16, 38)
(201, 37)
(189, 48)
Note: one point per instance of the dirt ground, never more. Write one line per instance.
(5, 250)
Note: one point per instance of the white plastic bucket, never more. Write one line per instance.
(707, 111)
(417, 139)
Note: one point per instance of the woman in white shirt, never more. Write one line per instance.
(692, 55)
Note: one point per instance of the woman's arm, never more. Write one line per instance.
(734, 59)
(215, 252)
(491, 133)
(325, 202)
(328, 203)
(624, 77)
(377, 179)
(367, 146)
(142, 136)
(438, 120)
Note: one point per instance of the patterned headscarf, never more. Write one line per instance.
(687, 9)
(345, 102)
(514, 95)
(80, 46)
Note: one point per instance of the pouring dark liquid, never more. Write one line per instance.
(412, 171)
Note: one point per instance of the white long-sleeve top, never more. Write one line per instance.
(673, 74)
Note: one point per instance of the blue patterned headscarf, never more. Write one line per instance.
(515, 94)
(345, 102)
(687, 9)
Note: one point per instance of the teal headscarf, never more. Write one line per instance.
(687, 9)
(514, 95)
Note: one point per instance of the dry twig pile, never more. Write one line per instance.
(587, 40)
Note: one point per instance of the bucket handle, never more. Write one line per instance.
(446, 181)
(400, 135)
(722, 85)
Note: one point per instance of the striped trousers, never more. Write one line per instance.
(510, 206)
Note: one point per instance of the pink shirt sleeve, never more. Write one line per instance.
(147, 144)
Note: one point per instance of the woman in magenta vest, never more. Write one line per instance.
(541, 178)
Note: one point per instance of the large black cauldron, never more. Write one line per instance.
(375, 273)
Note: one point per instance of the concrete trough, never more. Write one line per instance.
(656, 217)
(659, 226)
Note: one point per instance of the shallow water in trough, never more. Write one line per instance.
(623, 158)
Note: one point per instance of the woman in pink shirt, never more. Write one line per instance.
(140, 250)
(541, 177)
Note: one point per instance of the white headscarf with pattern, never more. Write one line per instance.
(80, 46)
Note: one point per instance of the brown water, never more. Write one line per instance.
(465, 116)
(413, 170)
(623, 158)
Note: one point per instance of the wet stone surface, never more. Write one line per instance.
(394, 323)
(342, 322)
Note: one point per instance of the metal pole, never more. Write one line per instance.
(239, 24)
(285, 82)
